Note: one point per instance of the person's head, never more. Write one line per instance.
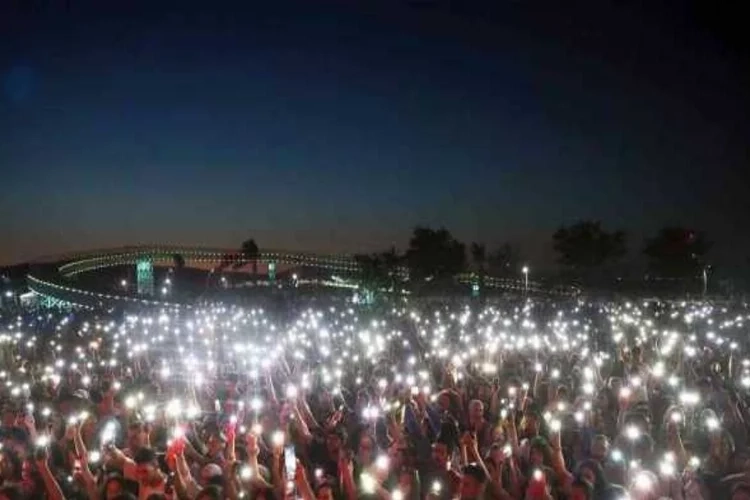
(125, 496)
(643, 448)
(476, 412)
(11, 492)
(10, 466)
(325, 401)
(210, 493)
(581, 490)
(615, 384)
(113, 486)
(473, 479)
(408, 482)
(335, 440)
(210, 474)
(484, 392)
(88, 428)
(29, 471)
(9, 416)
(147, 467)
(740, 491)
(363, 400)
(365, 449)
(721, 446)
(137, 436)
(530, 424)
(591, 472)
(538, 452)
(606, 401)
(637, 354)
(215, 444)
(599, 447)
(496, 455)
(324, 491)
(444, 401)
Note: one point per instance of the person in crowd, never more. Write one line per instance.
(600, 400)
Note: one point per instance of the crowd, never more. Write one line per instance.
(531, 399)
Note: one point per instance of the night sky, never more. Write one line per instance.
(338, 126)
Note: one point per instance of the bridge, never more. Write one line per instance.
(49, 277)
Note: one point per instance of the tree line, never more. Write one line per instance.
(585, 249)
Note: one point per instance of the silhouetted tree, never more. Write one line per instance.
(390, 261)
(585, 245)
(479, 256)
(372, 273)
(503, 261)
(677, 252)
(250, 252)
(178, 261)
(378, 270)
(434, 254)
(226, 260)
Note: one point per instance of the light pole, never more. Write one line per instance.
(706, 269)
(525, 272)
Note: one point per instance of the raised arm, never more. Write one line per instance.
(54, 492)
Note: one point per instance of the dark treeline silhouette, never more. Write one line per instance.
(587, 253)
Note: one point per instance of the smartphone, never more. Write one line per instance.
(290, 461)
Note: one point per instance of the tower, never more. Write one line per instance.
(145, 276)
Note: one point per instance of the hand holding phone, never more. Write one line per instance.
(290, 461)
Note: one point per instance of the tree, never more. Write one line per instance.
(434, 254)
(391, 260)
(225, 262)
(585, 245)
(479, 256)
(250, 252)
(178, 261)
(372, 272)
(677, 252)
(379, 270)
(503, 261)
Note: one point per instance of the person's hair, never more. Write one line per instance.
(475, 471)
(416, 488)
(116, 477)
(340, 432)
(741, 487)
(609, 394)
(212, 491)
(125, 496)
(217, 480)
(585, 486)
(15, 462)
(600, 480)
(156, 496)
(144, 456)
(541, 444)
(11, 492)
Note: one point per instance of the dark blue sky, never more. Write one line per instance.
(327, 125)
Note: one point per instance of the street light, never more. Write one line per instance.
(525, 272)
(124, 283)
(705, 272)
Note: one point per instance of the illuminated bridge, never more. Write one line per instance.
(49, 277)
